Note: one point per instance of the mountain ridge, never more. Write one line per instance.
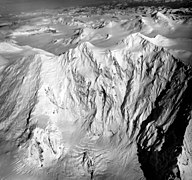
(112, 90)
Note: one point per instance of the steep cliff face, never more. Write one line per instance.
(96, 113)
(185, 158)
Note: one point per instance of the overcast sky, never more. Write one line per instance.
(30, 5)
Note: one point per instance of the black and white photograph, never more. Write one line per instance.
(95, 89)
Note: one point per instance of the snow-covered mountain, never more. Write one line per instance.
(111, 106)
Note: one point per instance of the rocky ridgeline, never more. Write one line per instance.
(112, 102)
(98, 114)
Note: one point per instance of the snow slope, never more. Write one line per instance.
(115, 104)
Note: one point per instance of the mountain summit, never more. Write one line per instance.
(111, 106)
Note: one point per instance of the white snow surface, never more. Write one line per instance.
(86, 101)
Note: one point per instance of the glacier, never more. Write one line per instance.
(114, 111)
